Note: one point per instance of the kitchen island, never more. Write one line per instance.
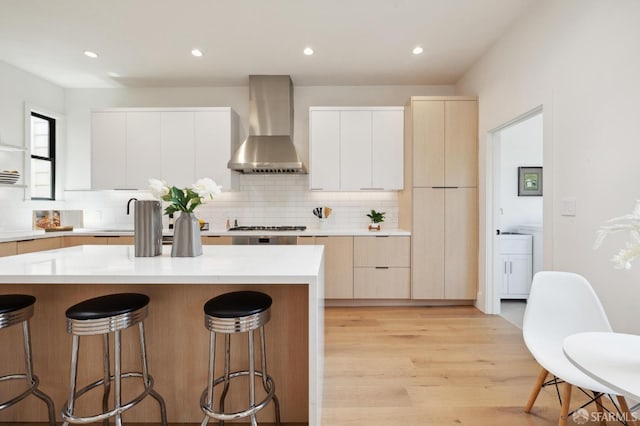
(177, 341)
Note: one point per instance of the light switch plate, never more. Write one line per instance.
(568, 206)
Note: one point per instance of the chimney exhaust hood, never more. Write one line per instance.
(269, 148)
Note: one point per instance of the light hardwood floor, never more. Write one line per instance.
(429, 366)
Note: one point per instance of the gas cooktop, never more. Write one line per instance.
(268, 228)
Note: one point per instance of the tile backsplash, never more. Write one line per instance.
(259, 200)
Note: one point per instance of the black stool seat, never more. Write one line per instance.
(107, 306)
(15, 302)
(237, 304)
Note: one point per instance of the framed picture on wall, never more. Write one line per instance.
(529, 181)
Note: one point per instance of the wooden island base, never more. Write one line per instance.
(177, 348)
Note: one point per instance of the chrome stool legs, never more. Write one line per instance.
(68, 409)
(206, 401)
(32, 380)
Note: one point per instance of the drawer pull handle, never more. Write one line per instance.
(382, 267)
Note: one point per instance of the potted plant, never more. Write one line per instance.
(186, 229)
(376, 219)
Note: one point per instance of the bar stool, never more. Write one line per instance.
(14, 309)
(105, 315)
(230, 313)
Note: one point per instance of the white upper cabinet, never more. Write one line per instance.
(356, 148)
(324, 136)
(177, 148)
(108, 144)
(178, 145)
(387, 149)
(143, 155)
(215, 132)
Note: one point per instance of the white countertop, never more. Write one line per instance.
(310, 232)
(241, 264)
(117, 264)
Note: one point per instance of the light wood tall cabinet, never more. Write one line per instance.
(440, 201)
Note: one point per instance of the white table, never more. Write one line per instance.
(610, 358)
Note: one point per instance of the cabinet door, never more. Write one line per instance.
(504, 273)
(8, 249)
(214, 240)
(121, 240)
(213, 134)
(427, 264)
(143, 149)
(428, 143)
(338, 266)
(324, 137)
(461, 146)
(30, 246)
(355, 150)
(108, 150)
(461, 243)
(177, 148)
(519, 267)
(387, 149)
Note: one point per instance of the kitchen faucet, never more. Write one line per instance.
(129, 203)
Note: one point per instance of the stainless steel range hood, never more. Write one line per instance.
(269, 147)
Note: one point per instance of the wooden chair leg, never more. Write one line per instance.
(598, 402)
(536, 390)
(566, 402)
(625, 411)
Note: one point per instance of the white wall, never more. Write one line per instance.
(579, 60)
(520, 146)
(17, 89)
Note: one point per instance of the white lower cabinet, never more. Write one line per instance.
(516, 265)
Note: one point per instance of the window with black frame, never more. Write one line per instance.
(43, 157)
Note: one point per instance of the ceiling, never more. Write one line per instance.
(148, 43)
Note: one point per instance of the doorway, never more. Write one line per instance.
(516, 210)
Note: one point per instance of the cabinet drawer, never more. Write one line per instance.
(381, 283)
(515, 244)
(80, 240)
(381, 251)
(29, 246)
(213, 240)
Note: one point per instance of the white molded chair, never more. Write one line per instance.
(561, 304)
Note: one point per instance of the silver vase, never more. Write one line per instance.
(186, 236)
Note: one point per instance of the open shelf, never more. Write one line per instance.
(11, 148)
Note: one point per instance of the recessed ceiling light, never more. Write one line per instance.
(90, 54)
(197, 53)
(308, 51)
(113, 74)
(417, 50)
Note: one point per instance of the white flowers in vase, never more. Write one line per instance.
(631, 223)
(184, 199)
